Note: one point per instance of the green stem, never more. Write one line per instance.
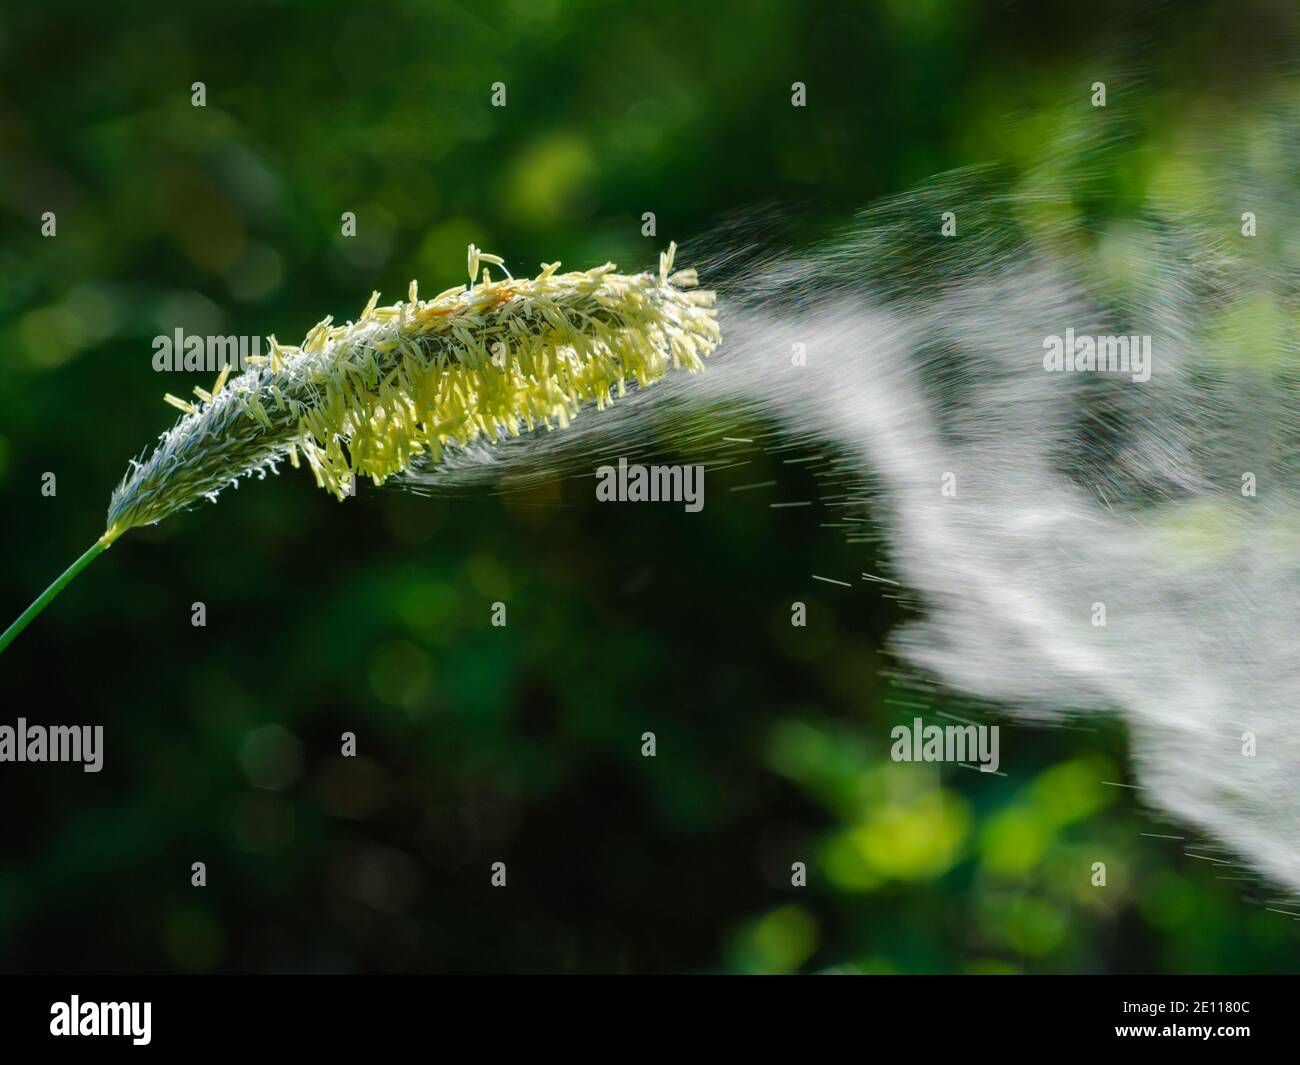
(44, 599)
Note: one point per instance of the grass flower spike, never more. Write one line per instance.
(368, 398)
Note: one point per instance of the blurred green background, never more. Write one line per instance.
(479, 744)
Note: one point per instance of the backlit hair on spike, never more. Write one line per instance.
(494, 358)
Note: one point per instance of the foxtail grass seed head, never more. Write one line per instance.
(368, 398)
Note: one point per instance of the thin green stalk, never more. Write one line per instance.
(64, 579)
